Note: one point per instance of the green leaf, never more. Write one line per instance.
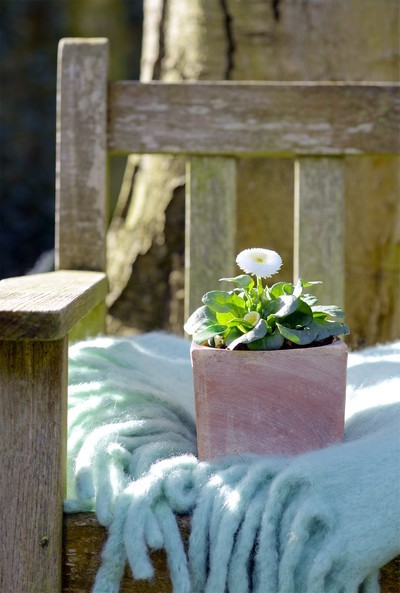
(231, 335)
(300, 284)
(281, 289)
(301, 317)
(225, 302)
(239, 321)
(206, 332)
(301, 337)
(298, 289)
(330, 328)
(272, 341)
(319, 316)
(242, 281)
(306, 283)
(315, 331)
(199, 317)
(224, 318)
(257, 332)
(331, 310)
(310, 299)
(281, 307)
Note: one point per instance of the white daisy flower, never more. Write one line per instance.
(259, 262)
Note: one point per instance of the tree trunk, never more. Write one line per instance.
(260, 40)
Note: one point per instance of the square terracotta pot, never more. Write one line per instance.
(278, 402)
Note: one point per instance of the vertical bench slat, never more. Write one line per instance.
(81, 154)
(319, 249)
(33, 418)
(210, 226)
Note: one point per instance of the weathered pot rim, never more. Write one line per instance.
(338, 345)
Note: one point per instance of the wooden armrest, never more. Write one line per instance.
(37, 313)
(47, 306)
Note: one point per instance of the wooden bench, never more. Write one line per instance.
(212, 123)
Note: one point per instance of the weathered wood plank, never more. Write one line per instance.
(33, 417)
(81, 154)
(390, 576)
(319, 247)
(47, 306)
(254, 119)
(93, 324)
(210, 226)
(83, 542)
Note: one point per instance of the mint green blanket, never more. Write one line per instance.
(321, 522)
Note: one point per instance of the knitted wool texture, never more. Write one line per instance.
(321, 522)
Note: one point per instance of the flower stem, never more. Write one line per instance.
(259, 285)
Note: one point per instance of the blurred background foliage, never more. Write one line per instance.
(29, 34)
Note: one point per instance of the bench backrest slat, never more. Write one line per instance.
(319, 241)
(254, 119)
(210, 226)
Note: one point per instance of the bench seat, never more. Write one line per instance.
(83, 541)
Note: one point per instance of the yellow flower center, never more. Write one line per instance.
(253, 317)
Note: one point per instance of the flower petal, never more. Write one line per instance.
(259, 262)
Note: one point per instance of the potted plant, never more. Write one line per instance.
(269, 367)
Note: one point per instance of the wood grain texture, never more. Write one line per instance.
(47, 306)
(33, 419)
(372, 232)
(93, 324)
(319, 223)
(254, 119)
(390, 576)
(210, 226)
(83, 542)
(81, 154)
